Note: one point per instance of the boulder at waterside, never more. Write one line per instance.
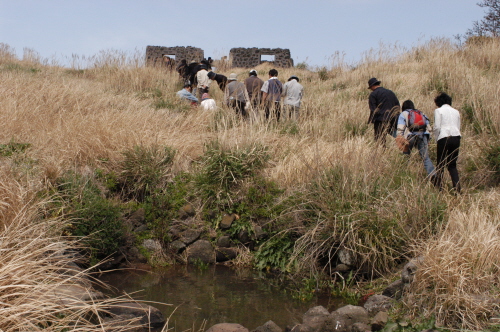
(227, 327)
(269, 326)
(201, 251)
(148, 315)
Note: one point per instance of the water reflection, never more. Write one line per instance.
(217, 294)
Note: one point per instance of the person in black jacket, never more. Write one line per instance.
(384, 110)
(220, 79)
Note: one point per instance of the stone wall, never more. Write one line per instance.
(251, 57)
(154, 54)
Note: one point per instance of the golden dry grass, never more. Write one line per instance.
(83, 119)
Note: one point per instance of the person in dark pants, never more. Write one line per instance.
(236, 95)
(447, 134)
(384, 110)
(271, 95)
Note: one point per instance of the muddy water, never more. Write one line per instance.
(215, 295)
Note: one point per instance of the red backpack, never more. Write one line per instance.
(416, 120)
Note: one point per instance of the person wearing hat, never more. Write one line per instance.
(253, 85)
(219, 78)
(203, 81)
(236, 95)
(292, 97)
(207, 103)
(384, 110)
(271, 95)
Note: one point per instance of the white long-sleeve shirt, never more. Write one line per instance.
(446, 122)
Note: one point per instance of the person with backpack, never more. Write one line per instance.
(271, 95)
(413, 130)
(447, 134)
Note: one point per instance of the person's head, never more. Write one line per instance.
(373, 83)
(252, 72)
(442, 99)
(232, 77)
(407, 105)
(188, 87)
(273, 73)
(293, 77)
(211, 75)
(205, 96)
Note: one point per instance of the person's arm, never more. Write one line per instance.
(372, 104)
(265, 89)
(191, 97)
(437, 123)
(402, 123)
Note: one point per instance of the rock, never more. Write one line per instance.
(74, 294)
(299, 328)
(380, 320)
(227, 221)
(342, 268)
(259, 233)
(175, 231)
(201, 251)
(135, 255)
(117, 322)
(148, 315)
(394, 290)
(225, 254)
(343, 318)
(224, 242)
(409, 270)
(141, 228)
(152, 245)
(360, 327)
(190, 236)
(346, 257)
(377, 303)
(177, 246)
(269, 326)
(315, 317)
(186, 211)
(227, 327)
(137, 218)
(244, 237)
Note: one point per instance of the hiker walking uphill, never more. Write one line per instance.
(236, 95)
(253, 85)
(271, 95)
(292, 97)
(447, 134)
(384, 110)
(414, 131)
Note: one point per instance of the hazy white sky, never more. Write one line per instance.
(313, 30)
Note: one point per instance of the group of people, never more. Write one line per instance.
(251, 94)
(411, 128)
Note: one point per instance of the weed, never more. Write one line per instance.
(7, 150)
(275, 253)
(493, 159)
(144, 169)
(95, 219)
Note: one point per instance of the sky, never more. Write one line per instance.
(313, 30)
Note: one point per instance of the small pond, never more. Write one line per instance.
(217, 294)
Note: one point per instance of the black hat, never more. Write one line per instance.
(203, 67)
(373, 81)
(211, 74)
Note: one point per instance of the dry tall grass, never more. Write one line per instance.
(84, 118)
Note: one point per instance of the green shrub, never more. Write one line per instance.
(95, 218)
(144, 169)
(276, 253)
(7, 150)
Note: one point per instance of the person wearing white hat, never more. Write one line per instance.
(292, 97)
(236, 95)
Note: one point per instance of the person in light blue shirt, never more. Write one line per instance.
(416, 137)
(186, 94)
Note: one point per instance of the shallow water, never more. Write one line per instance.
(217, 294)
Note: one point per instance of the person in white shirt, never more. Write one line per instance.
(207, 103)
(447, 135)
(292, 97)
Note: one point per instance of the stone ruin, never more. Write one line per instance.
(154, 54)
(239, 57)
(252, 57)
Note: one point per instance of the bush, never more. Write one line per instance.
(94, 218)
(144, 169)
